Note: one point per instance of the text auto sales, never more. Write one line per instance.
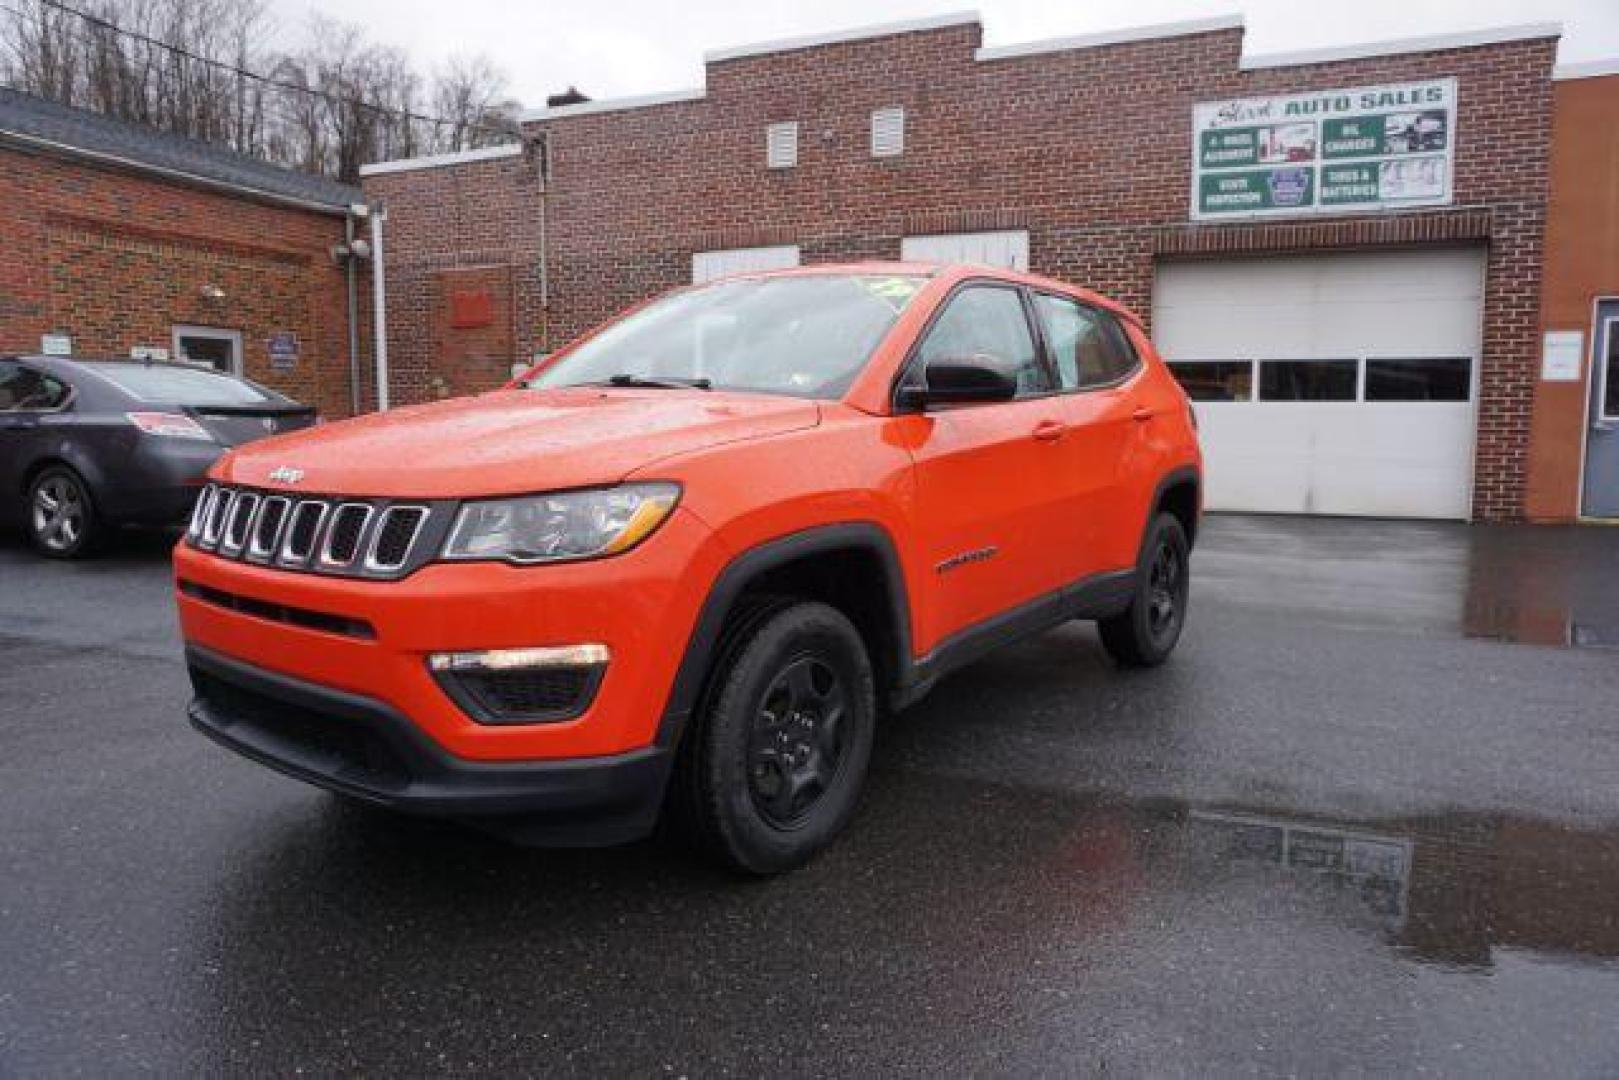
(1241, 112)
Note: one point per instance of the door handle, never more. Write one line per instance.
(1050, 430)
(1143, 414)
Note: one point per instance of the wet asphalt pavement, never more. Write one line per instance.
(1367, 820)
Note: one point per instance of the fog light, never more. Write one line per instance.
(516, 659)
(522, 686)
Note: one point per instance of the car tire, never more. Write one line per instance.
(773, 767)
(61, 516)
(1145, 633)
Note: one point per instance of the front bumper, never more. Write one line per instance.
(374, 639)
(360, 747)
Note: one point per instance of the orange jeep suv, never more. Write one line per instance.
(686, 562)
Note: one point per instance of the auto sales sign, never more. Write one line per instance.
(1324, 152)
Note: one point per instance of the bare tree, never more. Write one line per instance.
(205, 69)
(470, 97)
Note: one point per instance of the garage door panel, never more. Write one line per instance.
(1408, 459)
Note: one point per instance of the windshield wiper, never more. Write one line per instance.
(659, 382)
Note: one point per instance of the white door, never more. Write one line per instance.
(708, 265)
(1331, 384)
(1008, 249)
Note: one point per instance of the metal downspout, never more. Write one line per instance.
(379, 307)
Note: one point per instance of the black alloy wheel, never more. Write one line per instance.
(797, 741)
(1145, 633)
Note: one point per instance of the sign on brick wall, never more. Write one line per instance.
(1324, 152)
(283, 349)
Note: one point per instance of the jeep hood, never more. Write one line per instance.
(511, 441)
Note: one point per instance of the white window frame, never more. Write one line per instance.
(211, 333)
(709, 266)
(885, 123)
(781, 145)
(1016, 239)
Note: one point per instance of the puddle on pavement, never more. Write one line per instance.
(1542, 585)
(1447, 890)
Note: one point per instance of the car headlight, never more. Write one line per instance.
(567, 525)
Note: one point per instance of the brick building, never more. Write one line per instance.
(1341, 250)
(1574, 444)
(120, 239)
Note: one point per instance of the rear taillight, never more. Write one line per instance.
(169, 425)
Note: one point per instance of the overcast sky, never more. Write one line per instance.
(613, 48)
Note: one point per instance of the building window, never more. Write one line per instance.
(1446, 378)
(1215, 380)
(1308, 380)
(221, 349)
(709, 265)
(781, 145)
(888, 132)
(1009, 248)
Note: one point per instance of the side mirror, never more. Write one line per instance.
(953, 380)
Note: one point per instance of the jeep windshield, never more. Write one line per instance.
(803, 336)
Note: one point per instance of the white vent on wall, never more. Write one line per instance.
(888, 132)
(781, 145)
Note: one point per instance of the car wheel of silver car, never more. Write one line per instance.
(61, 516)
(773, 767)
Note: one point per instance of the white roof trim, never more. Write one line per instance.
(1586, 69)
(1111, 37)
(434, 161)
(858, 33)
(1465, 40)
(640, 101)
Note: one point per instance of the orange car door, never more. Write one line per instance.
(1095, 366)
(986, 510)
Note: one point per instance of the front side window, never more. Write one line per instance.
(988, 321)
(803, 336)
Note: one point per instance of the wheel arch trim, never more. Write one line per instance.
(747, 567)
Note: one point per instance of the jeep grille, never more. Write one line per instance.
(374, 538)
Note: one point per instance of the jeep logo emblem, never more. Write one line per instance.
(286, 474)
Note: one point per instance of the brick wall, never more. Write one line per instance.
(1087, 149)
(471, 228)
(117, 259)
(1582, 266)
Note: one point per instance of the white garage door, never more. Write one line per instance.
(708, 265)
(1008, 248)
(1335, 384)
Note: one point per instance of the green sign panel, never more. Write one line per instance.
(1236, 146)
(1256, 189)
(1326, 151)
(1361, 136)
(1349, 184)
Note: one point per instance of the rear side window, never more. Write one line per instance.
(183, 386)
(1089, 346)
(26, 389)
(989, 321)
